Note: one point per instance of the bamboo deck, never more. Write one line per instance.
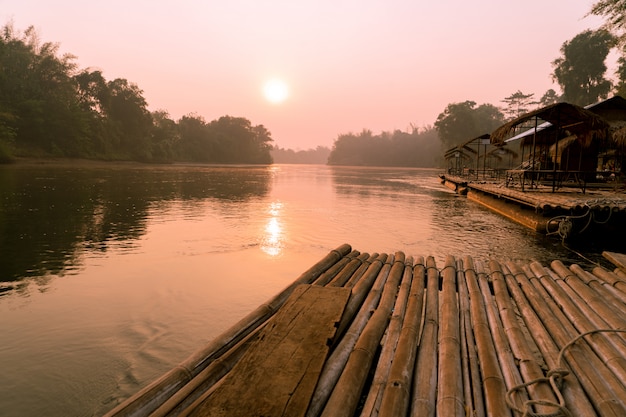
(395, 335)
(567, 211)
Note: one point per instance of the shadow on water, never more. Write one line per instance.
(50, 215)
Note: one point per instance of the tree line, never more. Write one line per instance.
(580, 72)
(50, 107)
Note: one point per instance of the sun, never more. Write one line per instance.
(275, 91)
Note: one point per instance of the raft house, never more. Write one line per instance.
(361, 334)
(570, 178)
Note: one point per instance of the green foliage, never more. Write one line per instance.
(581, 68)
(50, 108)
(517, 104)
(461, 122)
(415, 149)
(614, 11)
(319, 155)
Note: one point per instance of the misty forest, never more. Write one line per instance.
(49, 107)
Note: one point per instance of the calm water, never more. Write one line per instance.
(110, 276)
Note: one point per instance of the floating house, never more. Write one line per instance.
(570, 179)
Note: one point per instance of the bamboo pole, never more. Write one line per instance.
(598, 381)
(542, 397)
(602, 302)
(492, 379)
(450, 400)
(339, 356)
(195, 390)
(613, 279)
(587, 319)
(424, 392)
(575, 396)
(361, 271)
(465, 365)
(361, 291)
(331, 272)
(512, 377)
(345, 396)
(152, 396)
(612, 294)
(389, 351)
(474, 397)
(395, 400)
(342, 277)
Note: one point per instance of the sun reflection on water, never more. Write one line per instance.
(273, 237)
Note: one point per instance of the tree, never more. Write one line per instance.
(460, 122)
(614, 11)
(549, 97)
(581, 68)
(517, 104)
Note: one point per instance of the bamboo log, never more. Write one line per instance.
(597, 381)
(395, 400)
(616, 297)
(595, 296)
(361, 271)
(152, 396)
(374, 397)
(575, 396)
(346, 393)
(618, 259)
(492, 379)
(585, 319)
(613, 279)
(512, 377)
(336, 361)
(474, 394)
(465, 366)
(424, 392)
(329, 274)
(450, 400)
(205, 380)
(542, 397)
(361, 290)
(342, 277)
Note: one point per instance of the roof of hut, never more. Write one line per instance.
(577, 120)
(465, 146)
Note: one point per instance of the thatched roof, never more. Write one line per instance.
(465, 146)
(619, 137)
(575, 119)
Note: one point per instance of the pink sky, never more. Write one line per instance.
(350, 65)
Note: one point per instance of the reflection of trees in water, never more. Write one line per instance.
(48, 215)
(367, 182)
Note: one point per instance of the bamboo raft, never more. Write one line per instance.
(395, 335)
(567, 212)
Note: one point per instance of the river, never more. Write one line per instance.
(112, 274)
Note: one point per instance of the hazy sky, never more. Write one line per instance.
(349, 65)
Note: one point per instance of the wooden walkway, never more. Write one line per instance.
(368, 335)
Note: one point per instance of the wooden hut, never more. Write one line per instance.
(558, 141)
